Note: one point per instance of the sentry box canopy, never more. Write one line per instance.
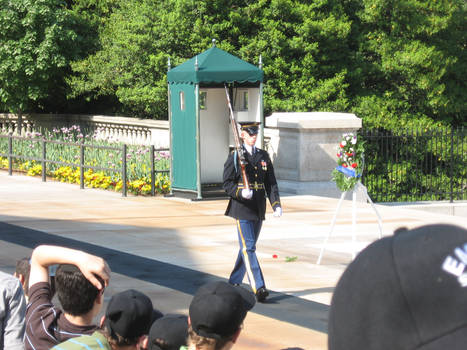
(200, 133)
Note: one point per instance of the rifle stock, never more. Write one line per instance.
(238, 145)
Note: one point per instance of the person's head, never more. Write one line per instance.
(407, 291)
(76, 294)
(216, 314)
(127, 319)
(23, 267)
(249, 132)
(169, 332)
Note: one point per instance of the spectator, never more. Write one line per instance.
(124, 327)
(80, 282)
(12, 310)
(407, 291)
(22, 273)
(169, 332)
(216, 316)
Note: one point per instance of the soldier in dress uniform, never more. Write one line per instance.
(248, 206)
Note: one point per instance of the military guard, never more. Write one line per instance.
(248, 206)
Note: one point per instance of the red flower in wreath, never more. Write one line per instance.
(354, 165)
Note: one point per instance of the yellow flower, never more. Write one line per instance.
(119, 186)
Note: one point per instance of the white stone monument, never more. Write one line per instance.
(302, 147)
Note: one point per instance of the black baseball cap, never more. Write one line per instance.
(219, 308)
(407, 291)
(129, 314)
(172, 329)
(251, 128)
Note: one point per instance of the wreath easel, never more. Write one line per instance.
(347, 175)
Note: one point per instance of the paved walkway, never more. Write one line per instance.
(168, 247)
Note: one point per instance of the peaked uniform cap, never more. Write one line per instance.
(250, 127)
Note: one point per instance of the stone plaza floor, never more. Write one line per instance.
(168, 247)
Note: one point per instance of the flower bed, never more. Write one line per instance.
(137, 159)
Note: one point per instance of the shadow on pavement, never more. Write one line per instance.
(280, 306)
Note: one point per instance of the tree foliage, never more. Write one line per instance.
(301, 46)
(37, 42)
(392, 62)
(410, 61)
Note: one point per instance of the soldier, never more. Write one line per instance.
(248, 206)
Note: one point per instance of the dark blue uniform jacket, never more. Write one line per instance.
(260, 173)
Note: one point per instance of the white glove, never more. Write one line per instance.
(247, 194)
(278, 212)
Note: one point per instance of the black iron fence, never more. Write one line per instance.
(416, 165)
(43, 158)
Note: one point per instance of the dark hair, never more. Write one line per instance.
(199, 340)
(23, 267)
(75, 292)
(161, 343)
(116, 339)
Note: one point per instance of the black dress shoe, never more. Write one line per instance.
(261, 294)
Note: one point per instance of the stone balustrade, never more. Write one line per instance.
(128, 130)
(302, 145)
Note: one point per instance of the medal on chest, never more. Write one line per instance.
(264, 165)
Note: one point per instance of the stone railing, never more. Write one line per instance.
(302, 145)
(129, 130)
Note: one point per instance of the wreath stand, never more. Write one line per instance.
(358, 186)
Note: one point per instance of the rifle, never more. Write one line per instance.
(238, 145)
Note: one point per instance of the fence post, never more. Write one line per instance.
(44, 161)
(124, 189)
(81, 166)
(10, 154)
(452, 166)
(153, 179)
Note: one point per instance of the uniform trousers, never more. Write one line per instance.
(247, 262)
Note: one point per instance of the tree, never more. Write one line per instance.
(410, 62)
(37, 41)
(392, 62)
(305, 50)
(301, 46)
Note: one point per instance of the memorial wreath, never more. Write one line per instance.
(350, 162)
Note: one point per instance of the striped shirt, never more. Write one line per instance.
(46, 325)
(85, 342)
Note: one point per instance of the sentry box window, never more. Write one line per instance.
(182, 100)
(244, 100)
(203, 100)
